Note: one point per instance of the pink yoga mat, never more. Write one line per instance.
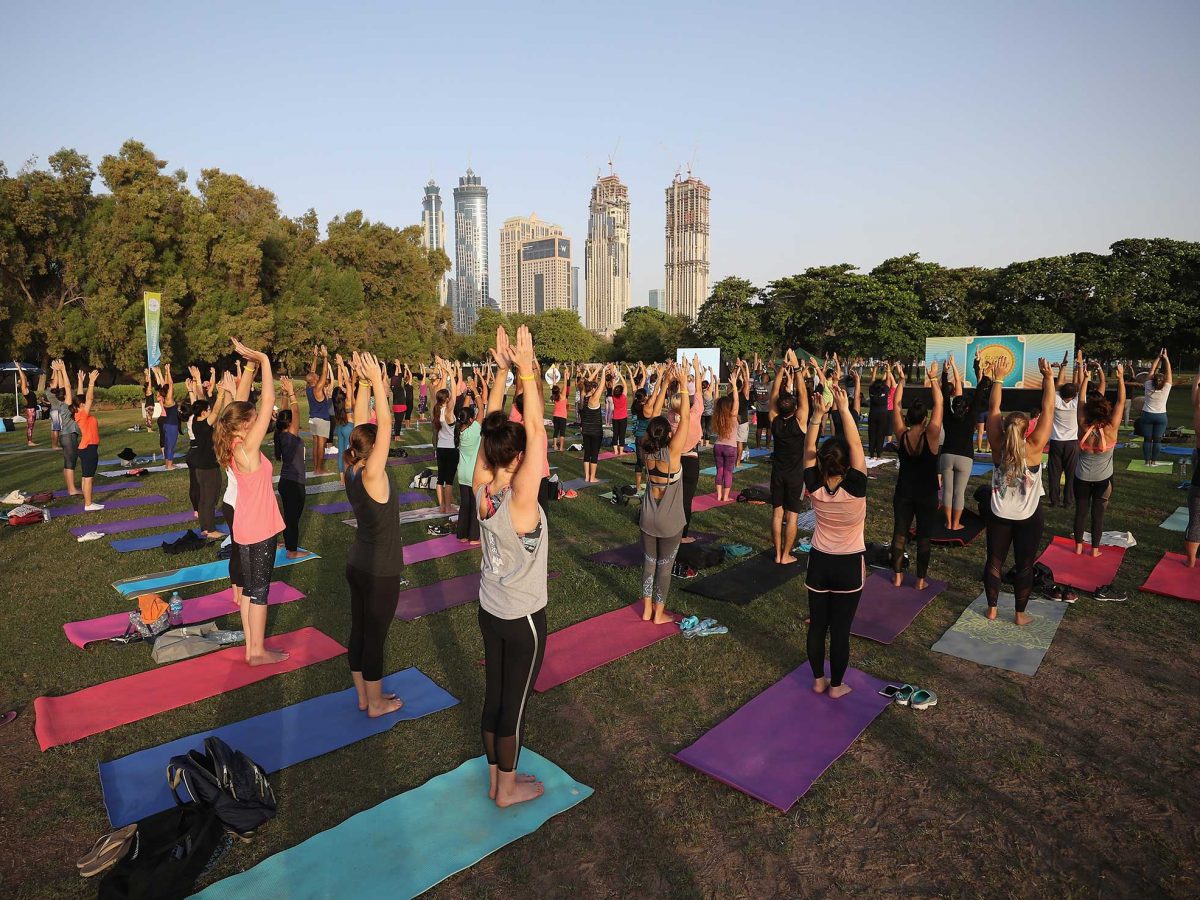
(595, 642)
(1172, 578)
(197, 609)
(1086, 573)
(434, 548)
(63, 720)
(707, 501)
(886, 610)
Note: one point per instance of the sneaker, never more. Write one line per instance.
(93, 507)
(679, 570)
(1111, 594)
(90, 536)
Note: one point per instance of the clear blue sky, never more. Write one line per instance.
(974, 133)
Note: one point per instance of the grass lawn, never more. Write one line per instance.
(1080, 781)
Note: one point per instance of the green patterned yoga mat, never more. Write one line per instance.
(1000, 642)
(1164, 467)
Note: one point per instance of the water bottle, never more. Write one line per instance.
(175, 610)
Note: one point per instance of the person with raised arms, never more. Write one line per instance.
(341, 421)
(690, 423)
(1064, 437)
(31, 405)
(289, 450)
(1017, 513)
(62, 403)
(316, 389)
(725, 427)
(1191, 538)
(918, 438)
(168, 422)
(89, 438)
(591, 417)
(956, 458)
(203, 471)
(879, 414)
(443, 439)
(786, 410)
(512, 589)
(620, 412)
(1154, 410)
(836, 478)
(1098, 423)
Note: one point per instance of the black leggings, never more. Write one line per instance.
(691, 478)
(206, 484)
(512, 656)
(619, 426)
(591, 447)
(1094, 494)
(925, 512)
(1023, 536)
(373, 600)
(235, 556)
(292, 495)
(468, 520)
(877, 429)
(831, 613)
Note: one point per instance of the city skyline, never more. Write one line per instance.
(606, 255)
(472, 288)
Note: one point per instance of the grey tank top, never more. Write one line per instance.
(663, 517)
(514, 578)
(1093, 466)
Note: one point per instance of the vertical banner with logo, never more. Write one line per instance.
(152, 303)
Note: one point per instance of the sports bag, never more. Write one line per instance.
(425, 480)
(227, 781)
(701, 556)
(26, 515)
(169, 852)
(755, 493)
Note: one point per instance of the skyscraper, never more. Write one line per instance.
(470, 251)
(434, 225)
(575, 290)
(655, 299)
(687, 247)
(545, 275)
(606, 262)
(516, 235)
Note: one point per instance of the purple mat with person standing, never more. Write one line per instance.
(886, 610)
(115, 503)
(776, 746)
(176, 518)
(432, 598)
(100, 488)
(343, 506)
(434, 548)
(412, 460)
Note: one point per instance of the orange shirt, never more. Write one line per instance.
(89, 429)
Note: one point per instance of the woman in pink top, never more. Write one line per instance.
(236, 439)
(836, 478)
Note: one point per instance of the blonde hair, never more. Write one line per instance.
(234, 422)
(1012, 459)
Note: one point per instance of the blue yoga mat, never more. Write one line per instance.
(759, 451)
(1177, 451)
(742, 467)
(153, 541)
(198, 574)
(412, 842)
(134, 785)
(981, 468)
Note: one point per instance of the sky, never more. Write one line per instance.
(973, 133)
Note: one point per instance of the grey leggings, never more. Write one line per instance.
(658, 557)
(956, 472)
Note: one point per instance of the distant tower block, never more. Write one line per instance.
(606, 261)
(687, 247)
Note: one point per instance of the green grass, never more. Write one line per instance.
(1078, 781)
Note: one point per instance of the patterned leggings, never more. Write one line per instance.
(658, 556)
(30, 418)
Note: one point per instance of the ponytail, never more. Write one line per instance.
(362, 441)
(1012, 458)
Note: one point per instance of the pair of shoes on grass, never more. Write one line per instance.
(693, 627)
(915, 697)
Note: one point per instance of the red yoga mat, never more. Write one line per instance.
(1172, 578)
(593, 643)
(63, 720)
(1085, 572)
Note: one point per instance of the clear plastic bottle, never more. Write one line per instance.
(175, 610)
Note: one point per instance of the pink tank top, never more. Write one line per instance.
(560, 408)
(257, 513)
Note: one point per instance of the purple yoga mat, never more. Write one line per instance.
(197, 609)
(176, 518)
(434, 548)
(115, 503)
(343, 506)
(101, 488)
(776, 746)
(886, 610)
(432, 598)
(411, 460)
(631, 554)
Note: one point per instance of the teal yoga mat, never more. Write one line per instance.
(741, 467)
(1176, 521)
(198, 574)
(412, 842)
(1000, 642)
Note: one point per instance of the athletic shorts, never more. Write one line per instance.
(787, 489)
(560, 426)
(743, 432)
(70, 448)
(319, 427)
(840, 573)
(257, 564)
(89, 458)
(764, 420)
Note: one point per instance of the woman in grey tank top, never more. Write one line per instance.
(512, 589)
(663, 517)
(1099, 421)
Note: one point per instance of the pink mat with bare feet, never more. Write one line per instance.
(1084, 572)
(1172, 578)
(708, 501)
(434, 548)
(595, 642)
(72, 717)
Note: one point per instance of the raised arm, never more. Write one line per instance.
(933, 431)
(362, 389)
(772, 411)
(1041, 435)
(91, 391)
(1167, 365)
(528, 478)
(266, 401)
(1196, 404)
(288, 390)
(956, 378)
(245, 381)
(1118, 410)
(849, 429)
(169, 382)
(679, 440)
(995, 421)
(1062, 371)
(898, 413)
(813, 434)
(374, 474)
(500, 380)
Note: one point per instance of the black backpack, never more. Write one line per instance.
(701, 556)
(226, 781)
(170, 851)
(755, 493)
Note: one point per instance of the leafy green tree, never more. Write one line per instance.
(733, 319)
(648, 334)
(559, 335)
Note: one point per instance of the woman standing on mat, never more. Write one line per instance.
(289, 449)
(788, 411)
(62, 403)
(687, 418)
(316, 389)
(375, 562)
(1154, 411)
(1017, 514)
(559, 396)
(468, 434)
(878, 414)
(725, 426)
(957, 458)
(917, 443)
(1098, 424)
(1191, 538)
(169, 416)
(1064, 437)
(447, 452)
(238, 440)
(836, 478)
(399, 407)
(31, 405)
(89, 439)
(662, 515)
(203, 470)
(981, 432)
(708, 398)
(512, 589)
(591, 419)
(620, 413)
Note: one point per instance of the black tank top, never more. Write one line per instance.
(377, 548)
(918, 478)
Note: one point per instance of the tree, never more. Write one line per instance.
(733, 319)
(953, 301)
(559, 335)
(648, 334)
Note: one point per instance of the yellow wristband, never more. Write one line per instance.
(527, 377)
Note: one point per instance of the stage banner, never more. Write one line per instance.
(710, 358)
(152, 305)
(1015, 356)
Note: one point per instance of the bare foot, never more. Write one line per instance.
(992, 612)
(958, 527)
(522, 778)
(520, 792)
(820, 685)
(385, 708)
(1022, 618)
(473, 543)
(840, 690)
(213, 535)
(663, 618)
(1079, 549)
(922, 584)
(1095, 552)
(897, 579)
(267, 657)
(647, 610)
(296, 554)
(362, 704)
(786, 560)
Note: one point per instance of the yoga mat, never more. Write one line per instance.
(432, 598)
(886, 610)
(411, 460)
(134, 786)
(406, 845)
(115, 503)
(179, 467)
(154, 541)
(434, 548)
(1176, 521)
(741, 467)
(742, 583)
(631, 554)
(759, 451)
(1163, 468)
(1000, 642)
(706, 502)
(101, 488)
(157, 454)
(981, 468)
(596, 642)
(197, 574)
(175, 518)
(343, 506)
(1177, 451)
(63, 720)
(409, 516)
(1172, 578)
(197, 609)
(578, 484)
(1086, 572)
(972, 526)
(776, 746)
(324, 487)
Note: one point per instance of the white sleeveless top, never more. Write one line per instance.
(1017, 501)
